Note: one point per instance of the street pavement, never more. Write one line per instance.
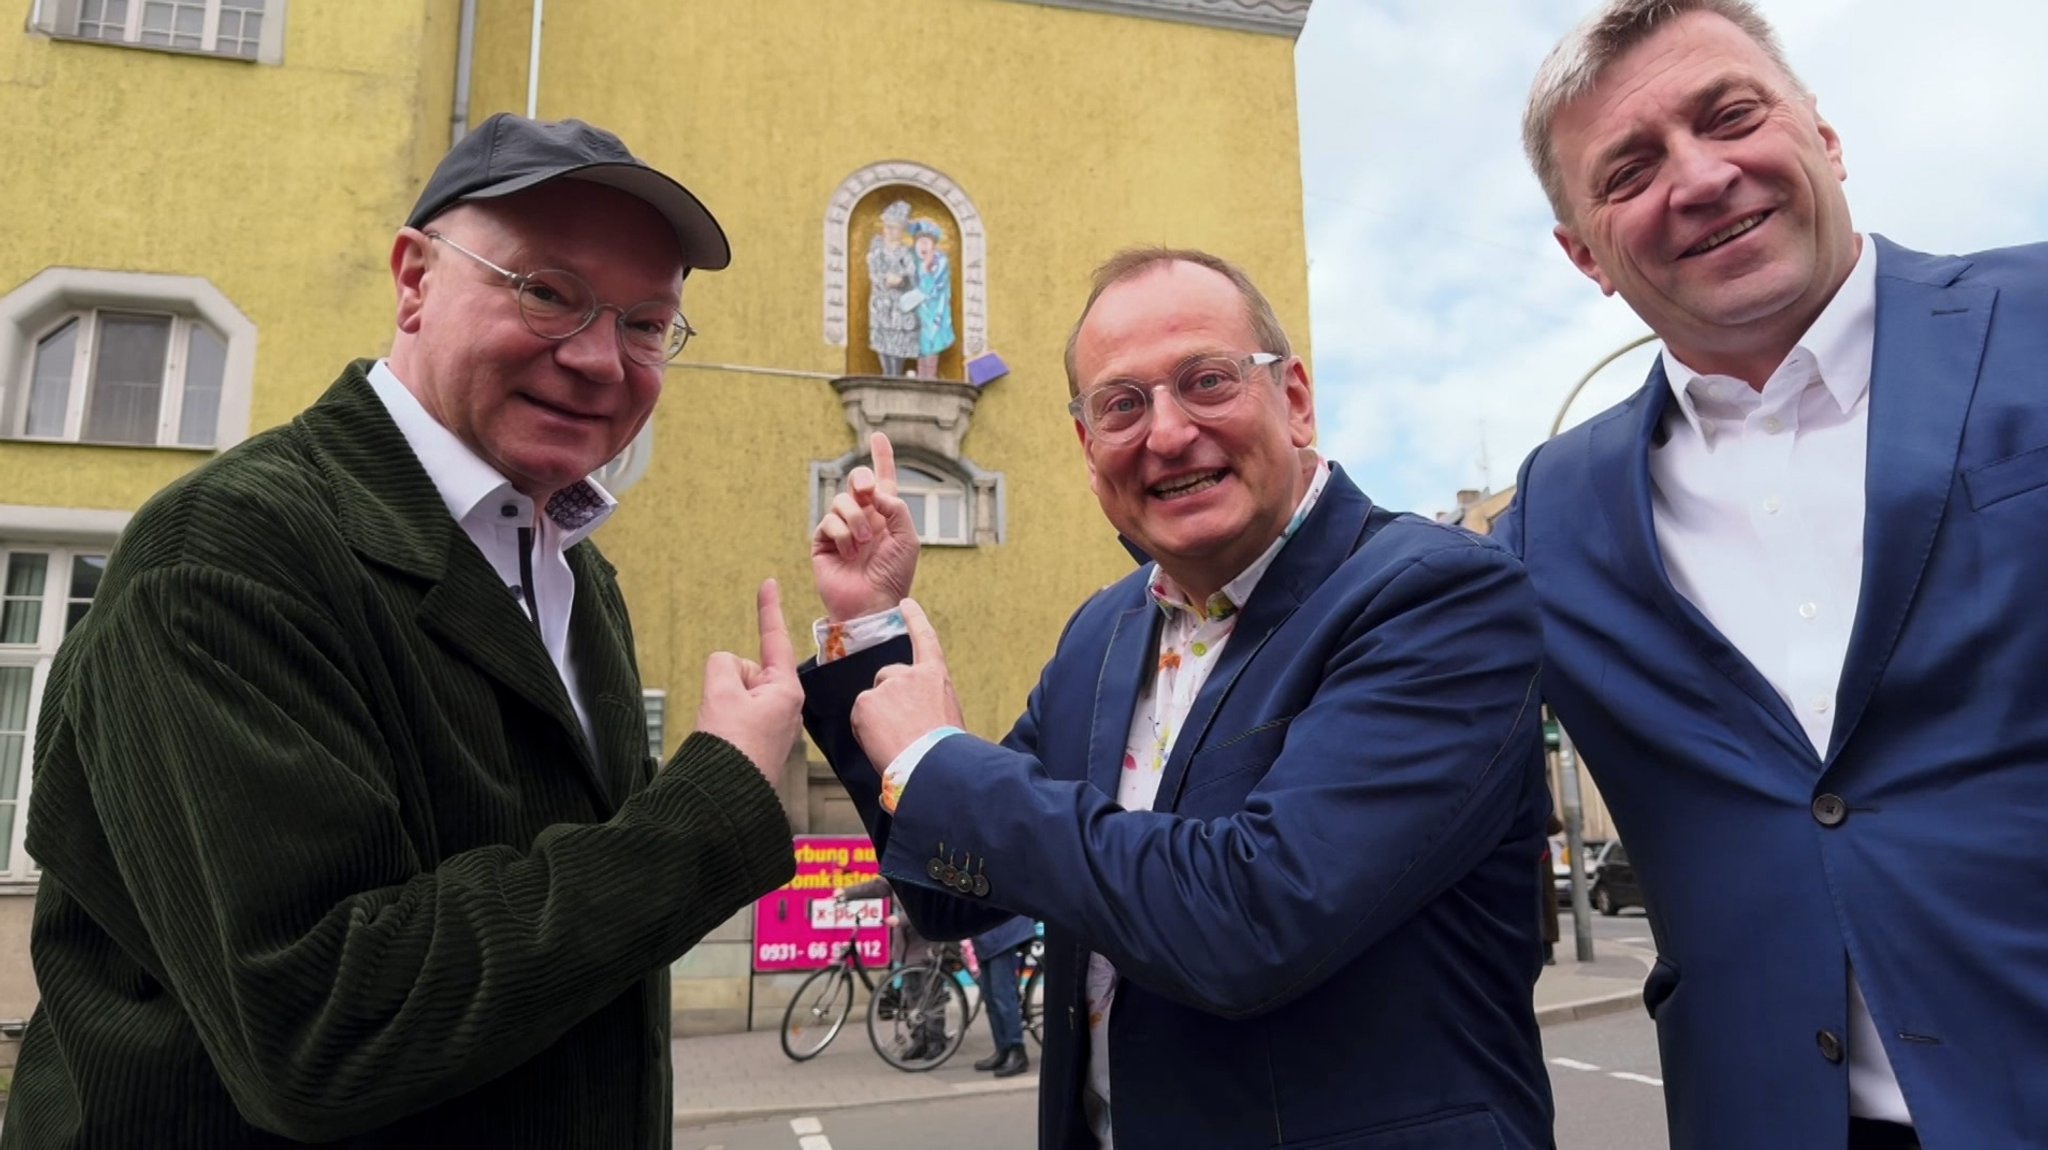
(723, 1079)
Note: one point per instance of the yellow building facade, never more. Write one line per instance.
(204, 194)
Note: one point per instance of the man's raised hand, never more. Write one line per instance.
(907, 700)
(757, 707)
(864, 551)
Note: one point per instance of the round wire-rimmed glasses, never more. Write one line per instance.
(556, 305)
(1207, 388)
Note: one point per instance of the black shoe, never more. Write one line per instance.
(992, 1061)
(1015, 1061)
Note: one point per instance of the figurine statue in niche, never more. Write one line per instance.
(892, 302)
(934, 291)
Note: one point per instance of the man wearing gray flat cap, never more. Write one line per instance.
(348, 830)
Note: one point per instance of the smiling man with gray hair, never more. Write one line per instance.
(1789, 603)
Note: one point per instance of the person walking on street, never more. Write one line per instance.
(1001, 951)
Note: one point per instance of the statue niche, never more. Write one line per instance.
(909, 324)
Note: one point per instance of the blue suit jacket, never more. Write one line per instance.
(1326, 930)
(1934, 883)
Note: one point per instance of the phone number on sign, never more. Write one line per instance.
(821, 952)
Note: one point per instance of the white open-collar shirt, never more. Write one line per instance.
(1758, 499)
(491, 513)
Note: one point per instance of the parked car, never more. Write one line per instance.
(1614, 886)
(1560, 864)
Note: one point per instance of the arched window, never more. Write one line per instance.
(938, 506)
(90, 356)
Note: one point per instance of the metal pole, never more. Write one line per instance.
(533, 64)
(1575, 843)
(1587, 378)
(465, 56)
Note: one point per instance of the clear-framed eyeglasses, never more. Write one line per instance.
(1207, 389)
(556, 305)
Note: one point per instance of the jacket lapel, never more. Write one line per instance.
(393, 516)
(1317, 549)
(1621, 446)
(1126, 663)
(1931, 334)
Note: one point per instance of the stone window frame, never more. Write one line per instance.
(36, 308)
(985, 492)
(970, 273)
(59, 20)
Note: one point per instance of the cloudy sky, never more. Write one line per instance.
(1448, 325)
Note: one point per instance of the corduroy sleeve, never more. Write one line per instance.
(338, 980)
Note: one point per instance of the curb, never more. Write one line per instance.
(694, 1119)
(1586, 1008)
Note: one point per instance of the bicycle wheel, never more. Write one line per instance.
(1031, 1000)
(816, 1013)
(925, 1019)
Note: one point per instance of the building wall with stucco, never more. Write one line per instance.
(1063, 131)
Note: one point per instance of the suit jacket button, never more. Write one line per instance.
(981, 886)
(1830, 810)
(936, 869)
(1830, 1046)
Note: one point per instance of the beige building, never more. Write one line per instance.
(202, 196)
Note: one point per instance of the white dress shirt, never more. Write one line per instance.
(524, 548)
(1758, 500)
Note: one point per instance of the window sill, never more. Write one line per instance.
(180, 447)
(166, 49)
(19, 887)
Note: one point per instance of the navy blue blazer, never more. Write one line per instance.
(1326, 928)
(1917, 846)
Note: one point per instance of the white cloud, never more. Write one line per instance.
(1448, 325)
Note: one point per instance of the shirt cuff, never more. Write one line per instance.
(897, 775)
(838, 640)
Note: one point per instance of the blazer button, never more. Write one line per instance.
(1830, 1046)
(1830, 810)
(936, 869)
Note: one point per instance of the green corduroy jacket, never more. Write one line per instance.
(326, 857)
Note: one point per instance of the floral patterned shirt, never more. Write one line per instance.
(1191, 637)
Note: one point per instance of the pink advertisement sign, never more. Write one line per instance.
(799, 927)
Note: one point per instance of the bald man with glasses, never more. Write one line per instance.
(1276, 797)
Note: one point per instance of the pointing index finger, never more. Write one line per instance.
(884, 454)
(924, 639)
(777, 653)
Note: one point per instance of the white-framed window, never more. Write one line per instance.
(44, 592)
(105, 376)
(237, 29)
(938, 506)
(952, 503)
(655, 702)
(124, 358)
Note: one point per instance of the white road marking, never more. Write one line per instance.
(1645, 1079)
(814, 1142)
(1574, 1064)
(806, 1126)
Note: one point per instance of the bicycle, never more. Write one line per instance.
(819, 1009)
(1031, 991)
(918, 1016)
